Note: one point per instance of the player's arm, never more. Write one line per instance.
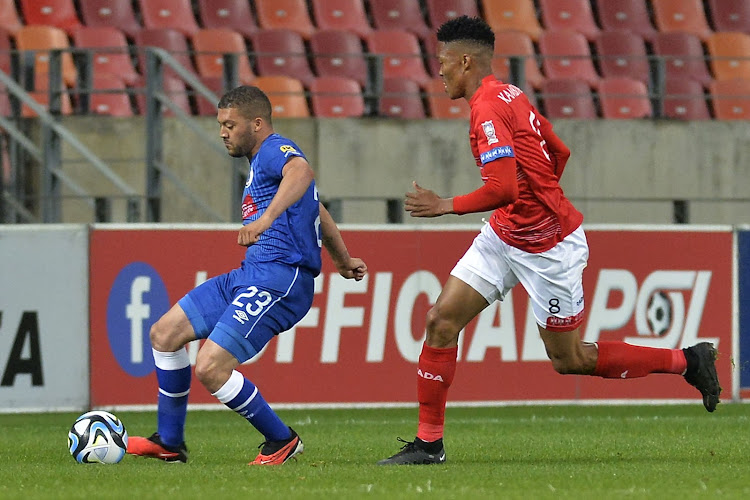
(347, 266)
(558, 151)
(296, 178)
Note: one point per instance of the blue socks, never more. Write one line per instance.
(241, 395)
(173, 374)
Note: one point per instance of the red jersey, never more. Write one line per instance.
(504, 124)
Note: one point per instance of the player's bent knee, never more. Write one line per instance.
(441, 332)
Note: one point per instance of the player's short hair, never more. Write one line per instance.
(250, 101)
(469, 29)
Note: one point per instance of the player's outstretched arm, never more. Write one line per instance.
(348, 267)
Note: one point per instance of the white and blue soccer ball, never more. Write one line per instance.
(97, 437)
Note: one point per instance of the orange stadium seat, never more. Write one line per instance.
(730, 99)
(624, 98)
(174, 89)
(622, 54)
(515, 43)
(683, 56)
(115, 102)
(168, 39)
(401, 99)
(230, 14)
(565, 55)
(681, 15)
(110, 51)
(568, 98)
(285, 14)
(342, 15)
(401, 54)
(518, 15)
(113, 13)
(58, 13)
(443, 107)
(41, 95)
(574, 15)
(439, 11)
(42, 39)
(399, 15)
(169, 14)
(684, 100)
(287, 96)
(281, 52)
(626, 15)
(730, 55)
(210, 45)
(730, 15)
(336, 97)
(9, 18)
(339, 53)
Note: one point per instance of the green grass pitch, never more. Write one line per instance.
(529, 452)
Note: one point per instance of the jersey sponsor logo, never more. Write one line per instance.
(429, 376)
(249, 207)
(489, 132)
(288, 150)
(494, 154)
(510, 93)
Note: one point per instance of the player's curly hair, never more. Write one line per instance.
(250, 101)
(467, 28)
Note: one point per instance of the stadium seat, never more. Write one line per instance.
(515, 43)
(729, 55)
(431, 48)
(339, 53)
(210, 45)
(684, 100)
(518, 15)
(622, 54)
(285, 14)
(683, 56)
(730, 15)
(58, 13)
(168, 39)
(287, 96)
(174, 89)
(229, 14)
(281, 52)
(730, 99)
(40, 40)
(41, 95)
(626, 15)
(439, 11)
(342, 15)
(574, 15)
(681, 15)
(9, 18)
(566, 55)
(169, 14)
(111, 54)
(443, 107)
(112, 98)
(399, 15)
(624, 98)
(203, 105)
(5, 50)
(568, 99)
(401, 99)
(401, 54)
(336, 97)
(112, 13)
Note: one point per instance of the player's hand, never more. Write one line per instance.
(425, 203)
(250, 233)
(353, 269)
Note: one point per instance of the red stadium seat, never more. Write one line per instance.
(110, 51)
(568, 99)
(622, 54)
(624, 98)
(339, 53)
(216, 85)
(401, 54)
(731, 99)
(681, 15)
(443, 107)
(730, 55)
(112, 98)
(9, 18)
(515, 43)
(440, 11)
(518, 15)
(58, 13)
(281, 52)
(683, 56)
(566, 55)
(336, 97)
(574, 15)
(229, 14)
(730, 15)
(169, 14)
(210, 45)
(42, 39)
(342, 15)
(626, 15)
(285, 14)
(168, 39)
(110, 13)
(399, 15)
(287, 96)
(401, 99)
(174, 89)
(5, 50)
(684, 100)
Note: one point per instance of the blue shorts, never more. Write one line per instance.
(243, 309)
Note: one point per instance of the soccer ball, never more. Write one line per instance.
(659, 313)
(97, 437)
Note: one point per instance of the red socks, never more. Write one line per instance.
(434, 376)
(621, 360)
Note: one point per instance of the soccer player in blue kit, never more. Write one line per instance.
(284, 227)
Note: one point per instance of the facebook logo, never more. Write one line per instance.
(136, 300)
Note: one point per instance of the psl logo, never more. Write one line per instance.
(662, 316)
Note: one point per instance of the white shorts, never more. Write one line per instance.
(553, 279)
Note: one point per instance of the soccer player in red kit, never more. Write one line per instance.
(533, 237)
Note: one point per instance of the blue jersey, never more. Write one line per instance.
(293, 237)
